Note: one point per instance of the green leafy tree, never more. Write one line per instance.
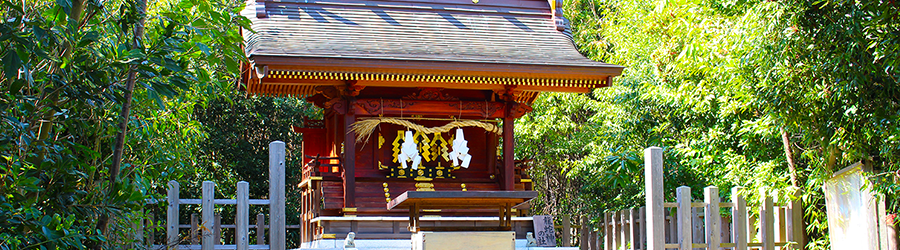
(66, 70)
(774, 95)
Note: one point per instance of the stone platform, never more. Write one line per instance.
(338, 244)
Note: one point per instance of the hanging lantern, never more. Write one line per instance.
(460, 150)
(409, 151)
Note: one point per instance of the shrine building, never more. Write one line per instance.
(419, 101)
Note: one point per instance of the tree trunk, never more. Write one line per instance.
(103, 222)
(790, 157)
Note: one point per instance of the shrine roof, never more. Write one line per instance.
(444, 42)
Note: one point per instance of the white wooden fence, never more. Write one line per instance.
(208, 230)
(688, 224)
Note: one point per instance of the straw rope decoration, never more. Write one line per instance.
(364, 128)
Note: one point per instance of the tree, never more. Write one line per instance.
(750, 93)
(65, 64)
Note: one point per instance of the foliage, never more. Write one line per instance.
(717, 84)
(64, 66)
(239, 130)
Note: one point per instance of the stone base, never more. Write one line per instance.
(464, 240)
(338, 244)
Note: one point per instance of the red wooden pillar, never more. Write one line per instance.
(349, 162)
(508, 159)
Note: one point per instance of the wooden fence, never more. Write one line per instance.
(688, 224)
(206, 233)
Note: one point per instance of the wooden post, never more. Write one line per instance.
(643, 229)
(349, 162)
(138, 229)
(780, 227)
(276, 196)
(739, 219)
(615, 234)
(608, 240)
(623, 228)
(685, 236)
(584, 244)
(798, 228)
(206, 214)
(653, 188)
(713, 218)
(260, 229)
(172, 213)
(696, 227)
(508, 153)
(634, 229)
(566, 231)
(151, 235)
(194, 229)
(766, 221)
(242, 217)
(217, 229)
(593, 239)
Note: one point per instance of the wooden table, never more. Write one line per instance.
(416, 201)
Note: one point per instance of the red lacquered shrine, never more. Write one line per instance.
(388, 68)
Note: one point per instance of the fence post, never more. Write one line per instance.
(584, 244)
(608, 232)
(634, 229)
(713, 235)
(194, 229)
(242, 216)
(643, 229)
(623, 227)
(653, 187)
(685, 233)
(739, 219)
(172, 213)
(276, 196)
(217, 229)
(151, 235)
(566, 231)
(766, 221)
(260, 229)
(798, 228)
(206, 214)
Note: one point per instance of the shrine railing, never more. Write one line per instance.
(319, 166)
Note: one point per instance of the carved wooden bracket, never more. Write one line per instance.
(517, 110)
(328, 97)
(352, 89)
(508, 93)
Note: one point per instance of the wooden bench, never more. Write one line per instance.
(504, 201)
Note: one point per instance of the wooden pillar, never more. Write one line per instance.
(194, 229)
(713, 233)
(260, 229)
(242, 217)
(766, 221)
(206, 214)
(217, 229)
(653, 186)
(276, 196)
(739, 219)
(798, 228)
(566, 232)
(172, 213)
(685, 232)
(509, 170)
(349, 162)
